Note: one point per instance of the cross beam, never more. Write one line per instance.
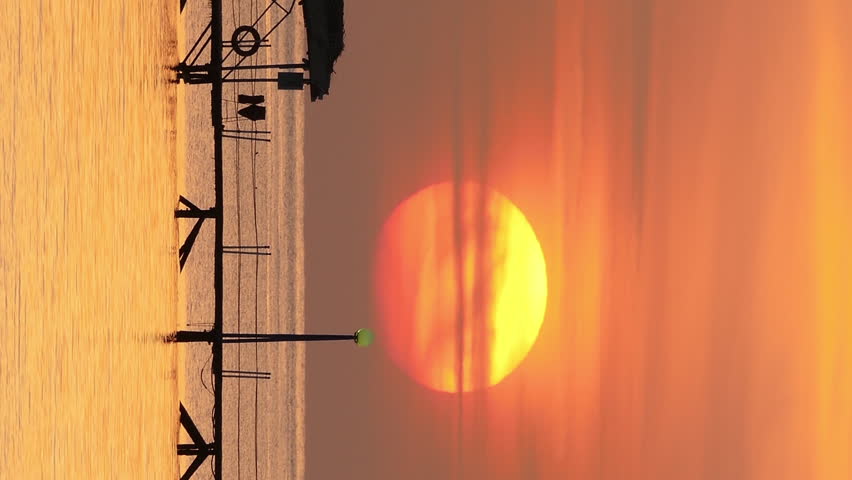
(198, 448)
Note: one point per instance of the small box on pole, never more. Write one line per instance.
(291, 80)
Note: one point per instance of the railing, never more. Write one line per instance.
(238, 114)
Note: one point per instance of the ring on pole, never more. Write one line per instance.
(236, 39)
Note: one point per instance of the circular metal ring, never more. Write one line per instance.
(236, 39)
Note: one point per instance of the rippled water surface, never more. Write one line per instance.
(88, 270)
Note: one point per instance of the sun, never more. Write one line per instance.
(460, 287)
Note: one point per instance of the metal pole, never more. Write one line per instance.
(189, 336)
(247, 252)
(237, 137)
(249, 80)
(281, 337)
(261, 67)
(218, 270)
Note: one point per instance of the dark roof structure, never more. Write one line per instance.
(324, 25)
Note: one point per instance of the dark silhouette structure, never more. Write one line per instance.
(210, 336)
(199, 448)
(324, 25)
(325, 34)
(191, 212)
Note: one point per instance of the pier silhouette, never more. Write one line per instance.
(226, 57)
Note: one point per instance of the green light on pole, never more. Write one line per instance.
(364, 337)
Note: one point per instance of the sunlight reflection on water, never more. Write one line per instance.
(88, 271)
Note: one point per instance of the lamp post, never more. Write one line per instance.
(362, 337)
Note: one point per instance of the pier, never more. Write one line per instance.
(225, 54)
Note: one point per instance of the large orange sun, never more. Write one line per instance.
(461, 287)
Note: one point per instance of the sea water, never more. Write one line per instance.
(88, 264)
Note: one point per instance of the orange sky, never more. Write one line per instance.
(686, 167)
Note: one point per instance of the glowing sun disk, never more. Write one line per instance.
(461, 300)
